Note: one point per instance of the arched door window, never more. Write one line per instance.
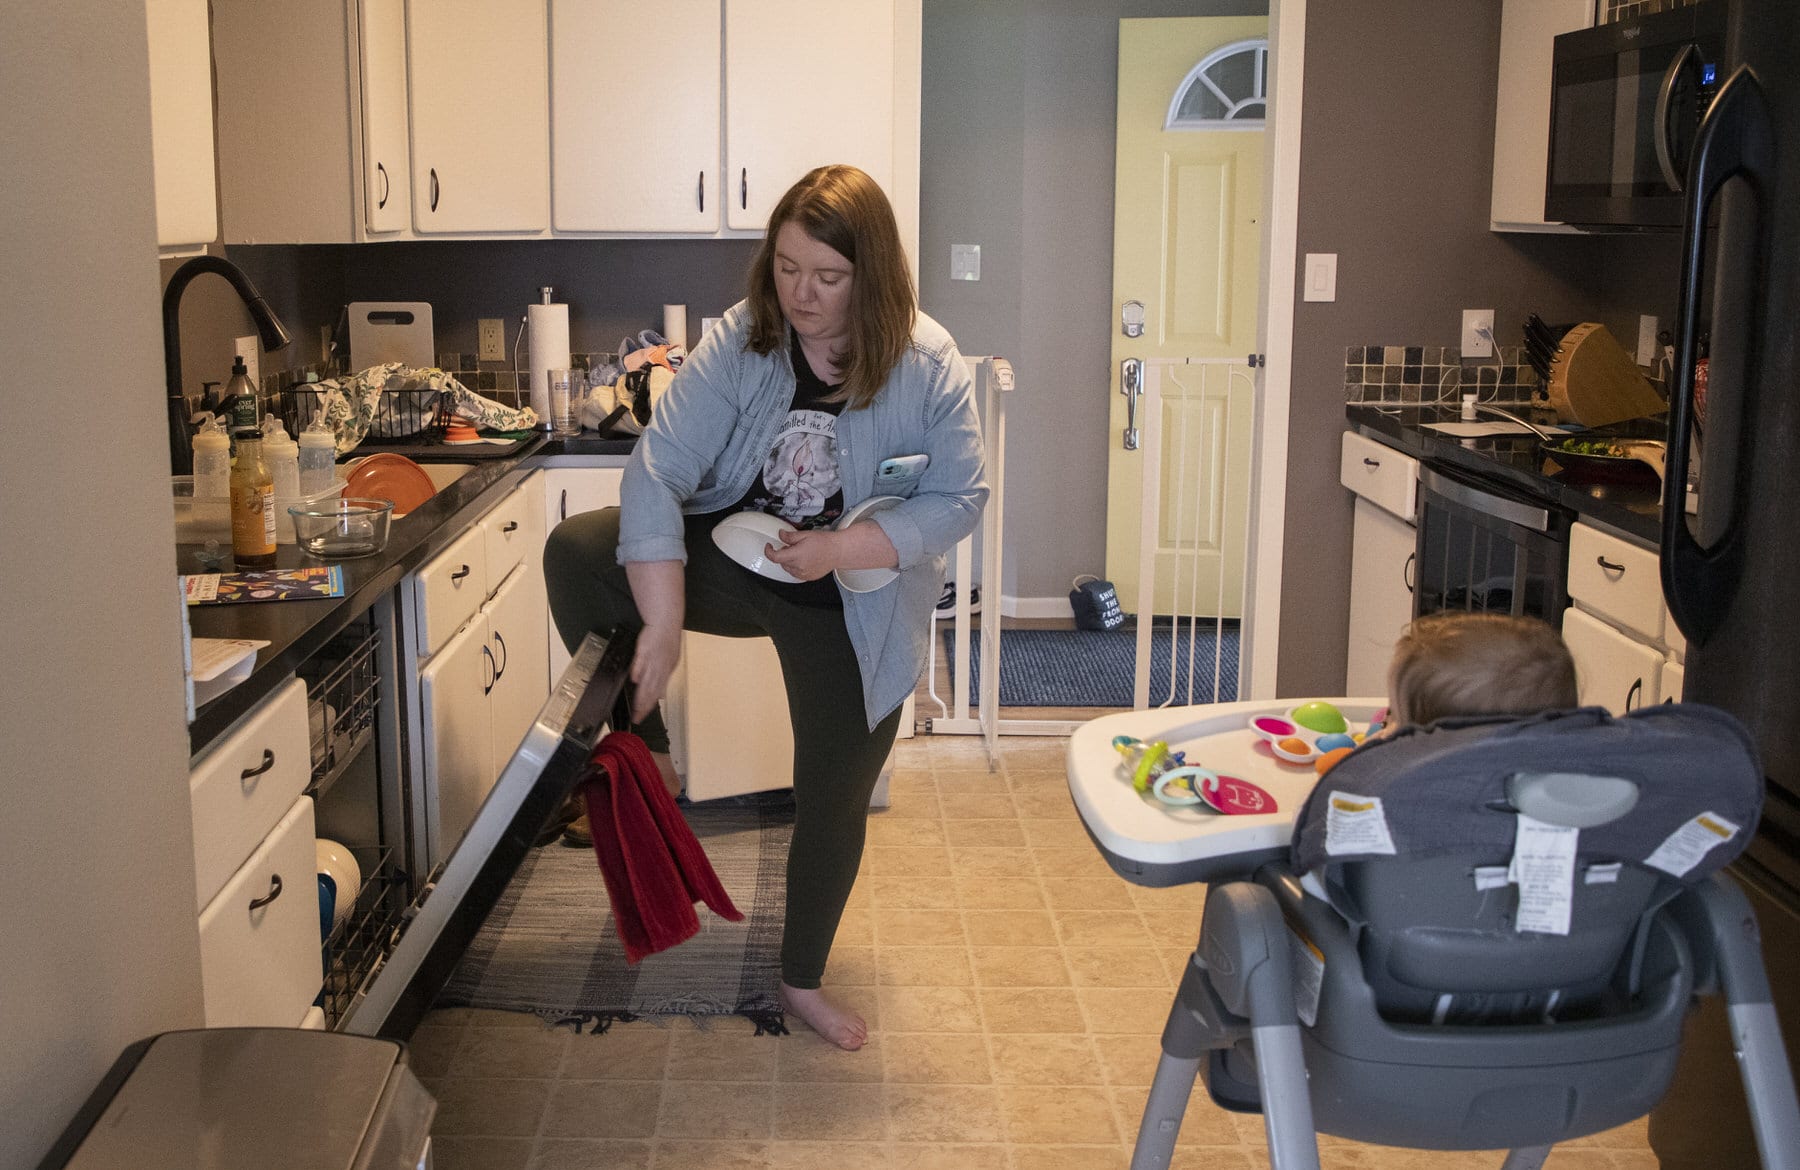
(1229, 90)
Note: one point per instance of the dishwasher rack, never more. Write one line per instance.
(362, 941)
(341, 701)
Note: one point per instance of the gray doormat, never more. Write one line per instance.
(550, 946)
(1093, 668)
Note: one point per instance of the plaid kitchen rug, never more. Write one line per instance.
(550, 946)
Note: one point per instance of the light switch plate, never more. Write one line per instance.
(1321, 277)
(965, 261)
(1646, 346)
(250, 349)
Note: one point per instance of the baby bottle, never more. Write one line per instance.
(212, 460)
(318, 458)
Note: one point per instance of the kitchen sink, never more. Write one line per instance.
(444, 474)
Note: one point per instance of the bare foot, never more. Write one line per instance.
(837, 1024)
(666, 768)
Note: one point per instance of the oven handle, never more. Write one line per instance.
(1512, 511)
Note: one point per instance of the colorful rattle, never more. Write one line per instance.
(1153, 759)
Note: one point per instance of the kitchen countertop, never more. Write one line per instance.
(297, 630)
(1632, 506)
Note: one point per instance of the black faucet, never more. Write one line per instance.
(268, 328)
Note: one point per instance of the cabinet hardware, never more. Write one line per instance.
(1408, 572)
(492, 673)
(274, 893)
(460, 573)
(500, 666)
(434, 188)
(1635, 695)
(1131, 384)
(1608, 565)
(562, 508)
(700, 190)
(268, 762)
(744, 188)
(1367, 462)
(382, 172)
(510, 526)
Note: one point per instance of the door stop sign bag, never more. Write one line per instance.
(1096, 604)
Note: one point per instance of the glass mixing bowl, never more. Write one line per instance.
(337, 530)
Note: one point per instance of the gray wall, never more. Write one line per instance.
(96, 848)
(1396, 162)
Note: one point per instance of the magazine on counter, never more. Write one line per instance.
(305, 584)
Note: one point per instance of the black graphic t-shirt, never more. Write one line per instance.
(799, 480)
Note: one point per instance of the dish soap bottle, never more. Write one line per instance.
(252, 504)
(240, 398)
(318, 458)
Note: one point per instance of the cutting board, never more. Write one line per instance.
(391, 331)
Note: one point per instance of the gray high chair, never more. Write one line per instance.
(1386, 985)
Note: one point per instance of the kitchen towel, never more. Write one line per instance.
(675, 324)
(652, 863)
(549, 327)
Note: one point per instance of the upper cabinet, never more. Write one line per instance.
(806, 82)
(181, 124)
(602, 182)
(484, 118)
(1528, 29)
(478, 80)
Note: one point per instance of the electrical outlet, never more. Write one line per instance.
(1476, 342)
(250, 349)
(493, 339)
(1646, 346)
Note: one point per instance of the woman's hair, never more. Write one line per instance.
(1456, 663)
(842, 208)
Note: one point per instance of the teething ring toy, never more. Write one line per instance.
(1182, 785)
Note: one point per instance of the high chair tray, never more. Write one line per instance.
(1155, 844)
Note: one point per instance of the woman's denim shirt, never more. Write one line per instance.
(712, 429)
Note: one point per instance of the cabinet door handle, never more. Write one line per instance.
(1367, 462)
(1608, 565)
(700, 190)
(1635, 695)
(268, 762)
(500, 665)
(460, 573)
(562, 508)
(434, 188)
(491, 674)
(274, 893)
(744, 188)
(1408, 571)
(510, 526)
(382, 172)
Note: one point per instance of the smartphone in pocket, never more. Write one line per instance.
(901, 467)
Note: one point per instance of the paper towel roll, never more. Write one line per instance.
(675, 324)
(549, 326)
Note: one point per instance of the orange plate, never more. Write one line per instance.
(387, 476)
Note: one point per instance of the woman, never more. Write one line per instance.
(823, 376)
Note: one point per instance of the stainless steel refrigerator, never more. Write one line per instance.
(1731, 576)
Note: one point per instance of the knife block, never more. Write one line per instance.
(1593, 381)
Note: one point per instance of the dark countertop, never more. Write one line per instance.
(1631, 505)
(297, 630)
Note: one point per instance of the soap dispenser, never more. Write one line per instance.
(240, 397)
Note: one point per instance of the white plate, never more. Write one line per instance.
(743, 536)
(866, 580)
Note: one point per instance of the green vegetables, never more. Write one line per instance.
(1603, 447)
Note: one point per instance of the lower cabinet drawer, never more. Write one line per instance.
(259, 938)
(245, 785)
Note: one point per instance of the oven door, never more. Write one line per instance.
(1485, 547)
(1626, 102)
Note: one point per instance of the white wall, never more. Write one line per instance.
(96, 852)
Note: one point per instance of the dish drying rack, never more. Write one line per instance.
(405, 417)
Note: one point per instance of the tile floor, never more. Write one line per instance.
(1014, 986)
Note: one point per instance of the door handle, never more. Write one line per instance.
(490, 675)
(382, 172)
(744, 188)
(434, 188)
(1736, 138)
(274, 893)
(1635, 696)
(460, 573)
(1131, 385)
(1665, 99)
(562, 508)
(700, 190)
(509, 527)
(268, 762)
(1408, 571)
(500, 664)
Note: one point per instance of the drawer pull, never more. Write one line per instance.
(460, 573)
(268, 762)
(274, 893)
(1634, 697)
(1408, 572)
(511, 526)
(491, 670)
(1367, 462)
(1608, 565)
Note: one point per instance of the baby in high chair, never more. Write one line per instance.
(1464, 663)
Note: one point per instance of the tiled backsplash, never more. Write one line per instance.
(1435, 373)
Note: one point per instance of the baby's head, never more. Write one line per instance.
(1456, 663)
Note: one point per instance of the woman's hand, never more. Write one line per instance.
(658, 653)
(810, 555)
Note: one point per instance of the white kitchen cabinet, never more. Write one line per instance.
(259, 936)
(807, 82)
(459, 734)
(315, 155)
(181, 124)
(478, 91)
(1627, 649)
(598, 185)
(518, 618)
(245, 783)
(1382, 554)
(1528, 29)
(570, 491)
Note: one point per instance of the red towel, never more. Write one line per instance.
(653, 866)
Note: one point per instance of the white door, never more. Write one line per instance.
(570, 491)
(387, 178)
(518, 618)
(459, 736)
(595, 111)
(807, 82)
(1186, 279)
(478, 87)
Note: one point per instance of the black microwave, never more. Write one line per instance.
(1626, 100)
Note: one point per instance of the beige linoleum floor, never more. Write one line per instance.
(1014, 987)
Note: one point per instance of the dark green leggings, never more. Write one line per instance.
(837, 758)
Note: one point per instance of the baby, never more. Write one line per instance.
(1458, 663)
